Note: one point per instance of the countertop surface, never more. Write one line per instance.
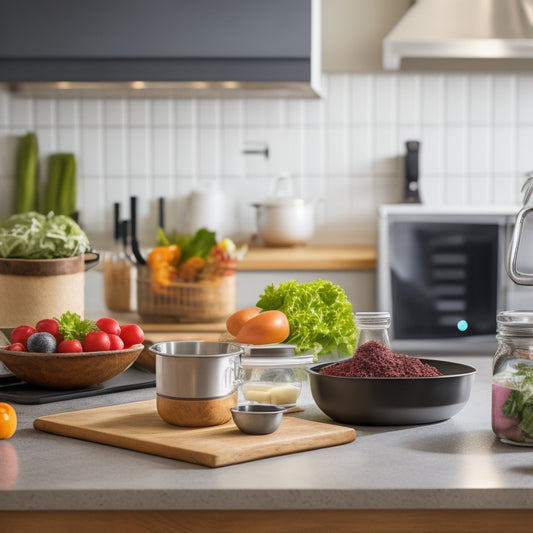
(332, 257)
(457, 464)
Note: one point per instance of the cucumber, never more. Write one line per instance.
(27, 177)
(55, 168)
(66, 200)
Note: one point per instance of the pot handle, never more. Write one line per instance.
(91, 260)
(238, 372)
(521, 278)
(283, 185)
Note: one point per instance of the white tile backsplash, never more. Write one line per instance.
(525, 102)
(455, 99)
(346, 149)
(479, 100)
(67, 113)
(114, 148)
(45, 113)
(504, 91)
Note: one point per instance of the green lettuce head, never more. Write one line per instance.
(32, 235)
(320, 315)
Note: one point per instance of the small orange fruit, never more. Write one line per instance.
(8, 421)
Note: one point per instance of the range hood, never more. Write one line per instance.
(167, 48)
(479, 30)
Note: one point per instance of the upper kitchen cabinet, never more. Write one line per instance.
(353, 31)
(180, 47)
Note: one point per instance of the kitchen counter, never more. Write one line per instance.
(387, 477)
(333, 257)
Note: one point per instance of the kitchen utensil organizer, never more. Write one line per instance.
(200, 301)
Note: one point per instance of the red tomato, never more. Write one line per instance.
(269, 327)
(237, 320)
(109, 325)
(96, 341)
(116, 343)
(50, 325)
(16, 347)
(22, 334)
(131, 334)
(70, 346)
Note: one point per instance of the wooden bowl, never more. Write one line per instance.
(69, 370)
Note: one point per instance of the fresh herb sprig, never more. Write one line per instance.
(519, 404)
(72, 326)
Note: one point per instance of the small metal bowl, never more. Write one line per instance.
(257, 419)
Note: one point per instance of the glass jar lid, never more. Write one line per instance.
(374, 319)
(273, 355)
(515, 323)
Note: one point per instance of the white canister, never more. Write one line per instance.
(207, 209)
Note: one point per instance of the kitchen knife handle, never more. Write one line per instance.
(116, 218)
(134, 244)
(125, 232)
(412, 194)
(161, 202)
(133, 217)
(411, 160)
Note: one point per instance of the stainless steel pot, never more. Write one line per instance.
(196, 370)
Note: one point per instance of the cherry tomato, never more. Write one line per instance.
(237, 320)
(8, 421)
(22, 333)
(116, 343)
(131, 334)
(70, 346)
(50, 325)
(269, 327)
(109, 325)
(16, 347)
(96, 341)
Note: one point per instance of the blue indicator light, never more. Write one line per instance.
(462, 325)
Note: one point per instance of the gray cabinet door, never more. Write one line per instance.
(111, 39)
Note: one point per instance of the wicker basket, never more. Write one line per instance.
(201, 301)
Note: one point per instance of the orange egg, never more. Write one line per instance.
(237, 320)
(269, 327)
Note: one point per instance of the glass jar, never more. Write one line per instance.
(512, 378)
(373, 326)
(273, 374)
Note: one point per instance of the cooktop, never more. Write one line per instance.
(13, 389)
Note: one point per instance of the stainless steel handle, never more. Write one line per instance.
(521, 278)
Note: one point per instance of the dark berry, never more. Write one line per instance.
(42, 342)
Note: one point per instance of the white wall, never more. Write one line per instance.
(476, 132)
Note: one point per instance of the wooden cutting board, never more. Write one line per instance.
(137, 426)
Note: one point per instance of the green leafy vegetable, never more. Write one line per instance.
(27, 184)
(198, 244)
(72, 326)
(35, 236)
(319, 313)
(519, 404)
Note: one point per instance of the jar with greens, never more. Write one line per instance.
(512, 378)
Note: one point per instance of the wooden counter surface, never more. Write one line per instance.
(330, 257)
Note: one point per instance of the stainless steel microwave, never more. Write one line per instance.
(441, 275)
